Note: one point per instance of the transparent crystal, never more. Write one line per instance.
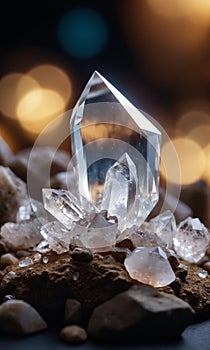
(63, 205)
(164, 225)
(121, 179)
(191, 240)
(104, 127)
(202, 273)
(43, 247)
(45, 259)
(149, 265)
(26, 262)
(57, 236)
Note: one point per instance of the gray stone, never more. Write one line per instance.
(18, 317)
(140, 312)
(6, 153)
(73, 311)
(74, 334)
(21, 236)
(82, 254)
(39, 157)
(8, 259)
(12, 194)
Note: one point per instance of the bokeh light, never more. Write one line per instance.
(82, 32)
(192, 161)
(12, 88)
(37, 108)
(200, 134)
(191, 120)
(52, 77)
(197, 11)
(207, 170)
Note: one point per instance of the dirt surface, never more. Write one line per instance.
(47, 286)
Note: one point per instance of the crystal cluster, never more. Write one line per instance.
(114, 169)
(191, 240)
(115, 158)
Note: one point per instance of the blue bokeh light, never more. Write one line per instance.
(82, 32)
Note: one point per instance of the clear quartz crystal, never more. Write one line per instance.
(191, 240)
(202, 273)
(121, 179)
(164, 225)
(104, 127)
(149, 265)
(26, 262)
(57, 236)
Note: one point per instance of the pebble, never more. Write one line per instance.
(6, 154)
(73, 311)
(8, 259)
(206, 266)
(74, 334)
(18, 317)
(22, 253)
(139, 312)
(82, 254)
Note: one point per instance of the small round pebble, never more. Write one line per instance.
(8, 259)
(206, 266)
(73, 334)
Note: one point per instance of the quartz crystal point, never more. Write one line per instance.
(164, 225)
(191, 240)
(120, 191)
(104, 127)
(63, 206)
(149, 265)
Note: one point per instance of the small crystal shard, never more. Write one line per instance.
(191, 240)
(164, 225)
(149, 265)
(202, 273)
(42, 247)
(45, 259)
(57, 236)
(104, 127)
(26, 262)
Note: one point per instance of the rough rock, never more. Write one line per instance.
(140, 312)
(39, 156)
(73, 311)
(82, 254)
(206, 266)
(12, 194)
(18, 317)
(8, 259)
(21, 236)
(6, 153)
(73, 334)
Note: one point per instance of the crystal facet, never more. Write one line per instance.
(164, 225)
(150, 265)
(191, 240)
(57, 235)
(121, 179)
(104, 127)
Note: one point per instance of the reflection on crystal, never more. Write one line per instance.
(45, 259)
(37, 257)
(104, 127)
(191, 240)
(43, 247)
(164, 225)
(202, 273)
(149, 265)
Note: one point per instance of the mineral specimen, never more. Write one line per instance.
(191, 240)
(150, 265)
